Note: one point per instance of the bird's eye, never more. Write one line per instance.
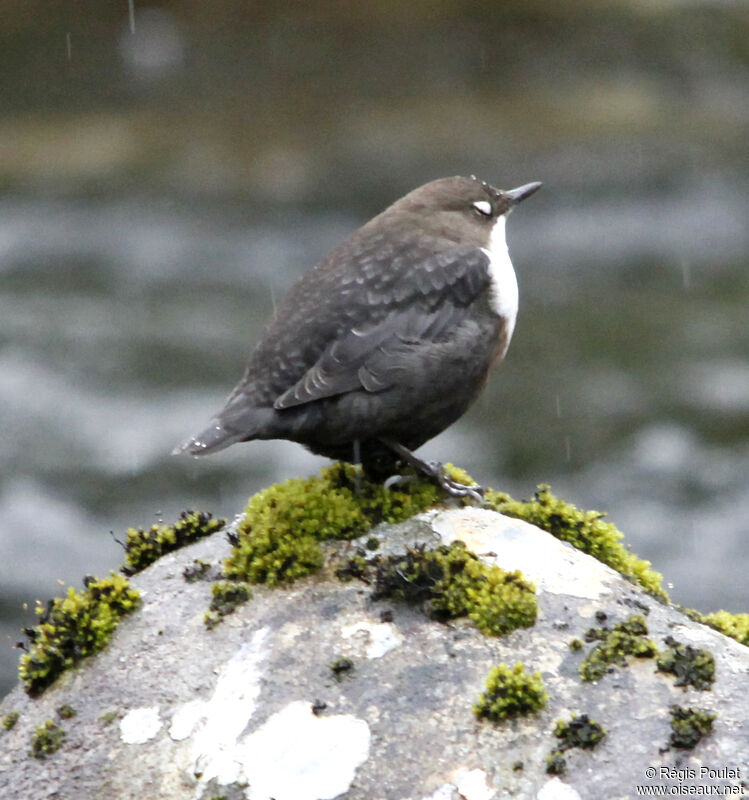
(483, 207)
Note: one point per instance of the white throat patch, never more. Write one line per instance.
(504, 284)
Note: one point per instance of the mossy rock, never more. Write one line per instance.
(279, 537)
(689, 726)
(47, 739)
(144, 546)
(628, 638)
(74, 627)
(693, 666)
(585, 530)
(510, 693)
(450, 582)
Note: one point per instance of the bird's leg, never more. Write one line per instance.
(436, 472)
(378, 466)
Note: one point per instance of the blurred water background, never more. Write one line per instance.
(168, 169)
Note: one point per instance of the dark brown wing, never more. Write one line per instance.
(430, 300)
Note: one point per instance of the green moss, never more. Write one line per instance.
(354, 567)
(734, 625)
(692, 666)
(47, 739)
(108, 717)
(585, 530)
(450, 582)
(578, 732)
(279, 537)
(8, 722)
(689, 725)
(510, 693)
(226, 596)
(576, 644)
(74, 627)
(556, 763)
(626, 638)
(341, 666)
(66, 711)
(459, 475)
(199, 570)
(143, 547)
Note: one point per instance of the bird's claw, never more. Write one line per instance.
(455, 489)
(395, 480)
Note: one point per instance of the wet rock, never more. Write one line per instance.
(252, 708)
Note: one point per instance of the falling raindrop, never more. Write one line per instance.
(68, 45)
(558, 404)
(686, 273)
(568, 448)
(158, 50)
(131, 6)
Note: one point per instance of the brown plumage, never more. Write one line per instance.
(388, 340)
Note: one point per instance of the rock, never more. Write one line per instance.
(254, 708)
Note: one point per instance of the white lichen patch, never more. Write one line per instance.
(140, 725)
(445, 792)
(216, 724)
(186, 718)
(380, 637)
(555, 789)
(296, 755)
(513, 544)
(473, 784)
(468, 784)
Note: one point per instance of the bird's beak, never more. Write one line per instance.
(516, 195)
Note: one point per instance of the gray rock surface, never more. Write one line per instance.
(229, 712)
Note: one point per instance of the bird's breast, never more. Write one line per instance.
(503, 290)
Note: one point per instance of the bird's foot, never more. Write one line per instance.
(453, 487)
(434, 471)
(398, 480)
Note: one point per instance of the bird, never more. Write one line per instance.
(388, 340)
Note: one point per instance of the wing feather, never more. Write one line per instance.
(431, 300)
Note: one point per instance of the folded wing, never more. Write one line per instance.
(426, 305)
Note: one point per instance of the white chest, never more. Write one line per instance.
(504, 283)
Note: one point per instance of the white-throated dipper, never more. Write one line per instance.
(388, 340)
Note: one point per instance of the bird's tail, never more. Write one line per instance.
(214, 438)
(236, 423)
